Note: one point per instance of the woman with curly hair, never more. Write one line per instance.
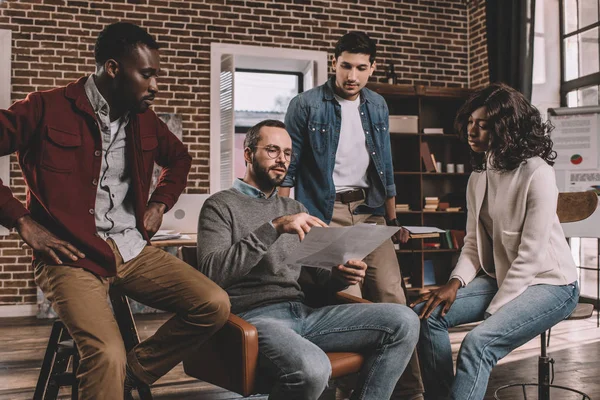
(515, 272)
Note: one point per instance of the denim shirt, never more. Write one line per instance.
(313, 120)
(251, 191)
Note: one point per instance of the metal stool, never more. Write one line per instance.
(61, 351)
(582, 311)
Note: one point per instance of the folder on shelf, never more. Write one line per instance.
(426, 157)
(428, 273)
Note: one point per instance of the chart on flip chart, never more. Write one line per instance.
(577, 144)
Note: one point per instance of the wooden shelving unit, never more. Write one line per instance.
(436, 108)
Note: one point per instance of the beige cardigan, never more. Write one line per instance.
(529, 245)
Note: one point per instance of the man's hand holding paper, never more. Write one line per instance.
(330, 247)
(353, 272)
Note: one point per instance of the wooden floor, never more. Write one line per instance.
(575, 345)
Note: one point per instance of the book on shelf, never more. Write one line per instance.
(423, 235)
(447, 240)
(431, 204)
(402, 207)
(426, 157)
(407, 282)
(458, 238)
(433, 130)
(443, 205)
(453, 209)
(431, 245)
(435, 165)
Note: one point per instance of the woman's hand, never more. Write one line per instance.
(444, 295)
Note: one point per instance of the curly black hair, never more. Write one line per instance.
(516, 129)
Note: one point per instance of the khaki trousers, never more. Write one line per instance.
(154, 278)
(382, 284)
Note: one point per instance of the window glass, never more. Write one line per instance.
(581, 54)
(588, 259)
(570, 15)
(588, 12)
(587, 96)
(258, 96)
(262, 95)
(571, 56)
(588, 52)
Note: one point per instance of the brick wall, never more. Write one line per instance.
(428, 41)
(478, 63)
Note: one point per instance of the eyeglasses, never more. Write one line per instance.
(275, 151)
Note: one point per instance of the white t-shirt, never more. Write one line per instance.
(352, 157)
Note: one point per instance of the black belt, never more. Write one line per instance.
(350, 196)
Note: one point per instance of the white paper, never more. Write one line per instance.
(581, 181)
(575, 140)
(423, 229)
(163, 234)
(329, 247)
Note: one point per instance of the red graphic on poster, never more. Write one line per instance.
(576, 159)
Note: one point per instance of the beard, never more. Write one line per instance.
(263, 179)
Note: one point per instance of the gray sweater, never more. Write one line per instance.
(241, 251)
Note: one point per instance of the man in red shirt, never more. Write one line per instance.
(87, 153)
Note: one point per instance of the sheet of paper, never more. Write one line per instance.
(329, 247)
(423, 229)
(575, 141)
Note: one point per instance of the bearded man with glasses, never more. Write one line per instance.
(244, 235)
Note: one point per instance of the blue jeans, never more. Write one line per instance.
(293, 339)
(536, 310)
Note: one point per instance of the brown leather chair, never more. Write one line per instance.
(229, 358)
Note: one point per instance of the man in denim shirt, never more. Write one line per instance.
(343, 172)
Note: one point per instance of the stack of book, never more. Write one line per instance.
(429, 131)
(402, 207)
(431, 204)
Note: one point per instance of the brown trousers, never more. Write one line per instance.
(383, 284)
(154, 278)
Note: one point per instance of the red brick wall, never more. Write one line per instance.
(53, 44)
(478, 63)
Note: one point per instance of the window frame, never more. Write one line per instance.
(583, 81)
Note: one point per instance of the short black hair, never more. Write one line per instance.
(253, 134)
(119, 39)
(356, 43)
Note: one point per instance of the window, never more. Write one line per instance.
(260, 95)
(580, 52)
(5, 71)
(267, 79)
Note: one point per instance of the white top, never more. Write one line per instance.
(352, 157)
(529, 245)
